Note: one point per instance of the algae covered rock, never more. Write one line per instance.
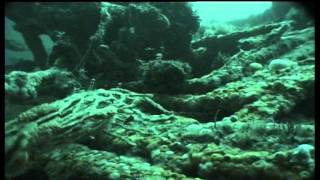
(278, 64)
(165, 76)
(255, 66)
(22, 85)
(94, 164)
(73, 119)
(234, 105)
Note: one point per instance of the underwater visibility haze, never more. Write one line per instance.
(159, 90)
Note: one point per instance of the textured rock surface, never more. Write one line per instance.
(165, 145)
(24, 86)
(262, 95)
(246, 119)
(73, 119)
(93, 164)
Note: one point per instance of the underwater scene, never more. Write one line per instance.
(159, 91)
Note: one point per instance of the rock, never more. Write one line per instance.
(278, 64)
(255, 66)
